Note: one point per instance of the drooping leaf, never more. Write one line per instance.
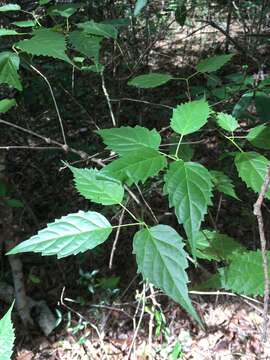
(140, 4)
(262, 103)
(136, 167)
(241, 107)
(259, 136)
(212, 245)
(10, 7)
(149, 81)
(96, 187)
(24, 23)
(223, 183)
(244, 275)
(189, 186)
(162, 261)
(64, 10)
(87, 44)
(69, 235)
(190, 117)
(126, 140)
(9, 65)
(213, 63)
(227, 122)
(45, 42)
(252, 168)
(6, 104)
(99, 29)
(7, 336)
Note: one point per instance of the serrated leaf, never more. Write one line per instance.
(99, 29)
(162, 261)
(7, 336)
(223, 183)
(149, 81)
(190, 117)
(136, 167)
(213, 63)
(252, 168)
(69, 235)
(126, 140)
(10, 7)
(259, 136)
(6, 104)
(212, 245)
(64, 10)
(227, 122)
(87, 44)
(24, 23)
(9, 65)
(242, 105)
(45, 42)
(96, 187)
(244, 275)
(189, 187)
(140, 4)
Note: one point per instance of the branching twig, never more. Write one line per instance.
(258, 214)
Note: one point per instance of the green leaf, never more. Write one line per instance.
(227, 122)
(9, 65)
(8, 32)
(96, 187)
(189, 187)
(190, 117)
(3, 188)
(7, 336)
(240, 109)
(65, 10)
(181, 14)
(45, 42)
(223, 183)
(252, 168)
(10, 7)
(259, 136)
(149, 81)
(212, 245)
(14, 203)
(69, 235)
(24, 23)
(87, 44)
(244, 275)
(162, 261)
(44, 2)
(126, 140)
(6, 104)
(140, 4)
(262, 103)
(136, 167)
(213, 63)
(99, 29)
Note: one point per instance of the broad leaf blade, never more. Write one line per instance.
(140, 4)
(241, 107)
(259, 136)
(45, 42)
(87, 44)
(149, 81)
(190, 117)
(6, 104)
(162, 261)
(69, 235)
(227, 122)
(136, 167)
(7, 336)
(99, 29)
(223, 183)
(9, 65)
(125, 140)
(189, 186)
(252, 168)
(213, 63)
(10, 7)
(96, 187)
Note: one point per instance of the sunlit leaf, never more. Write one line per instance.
(9, 65)
(213, 63)
(6, 105)
(7, 336)
(227, 122)
(259, 136)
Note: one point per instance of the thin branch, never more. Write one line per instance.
(116, 237)
(144, 102)
(107, 99)
(258, 214)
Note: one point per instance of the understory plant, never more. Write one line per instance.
(140, 157)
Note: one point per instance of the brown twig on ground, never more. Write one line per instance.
(258, 214)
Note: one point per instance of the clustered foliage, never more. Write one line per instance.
(188, 186)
